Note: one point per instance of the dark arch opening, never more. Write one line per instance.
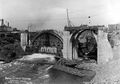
(85, 44)
(46, 41)
(50, 32)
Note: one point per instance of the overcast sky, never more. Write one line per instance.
(51, 14)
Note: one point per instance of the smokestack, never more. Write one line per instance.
(2, 23)
(8, 24)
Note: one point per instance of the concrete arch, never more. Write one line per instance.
(48, 42)
(50, 32)
(76, 34)
(78, 46)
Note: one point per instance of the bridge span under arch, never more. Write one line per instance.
(49, 42)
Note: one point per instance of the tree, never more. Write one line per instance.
(11, 52)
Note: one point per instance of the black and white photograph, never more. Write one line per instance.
(59, 41)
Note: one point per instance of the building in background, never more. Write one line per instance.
(8, 35)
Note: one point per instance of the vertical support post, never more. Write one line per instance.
(24, 40)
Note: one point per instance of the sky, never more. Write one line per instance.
(51, 14)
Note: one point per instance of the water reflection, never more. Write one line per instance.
(43, 74)
(59, 77)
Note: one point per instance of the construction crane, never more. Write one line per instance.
(68, 20)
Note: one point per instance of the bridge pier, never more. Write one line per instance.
(24, 40)
(104, 49)
(67, 46)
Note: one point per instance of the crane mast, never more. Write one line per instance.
(68, 19)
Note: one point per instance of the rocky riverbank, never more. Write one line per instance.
(108, 73)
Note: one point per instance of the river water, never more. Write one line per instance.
(20, 73)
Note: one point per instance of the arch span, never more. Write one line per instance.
(50, 32)
(85, 44)
(48, 41)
